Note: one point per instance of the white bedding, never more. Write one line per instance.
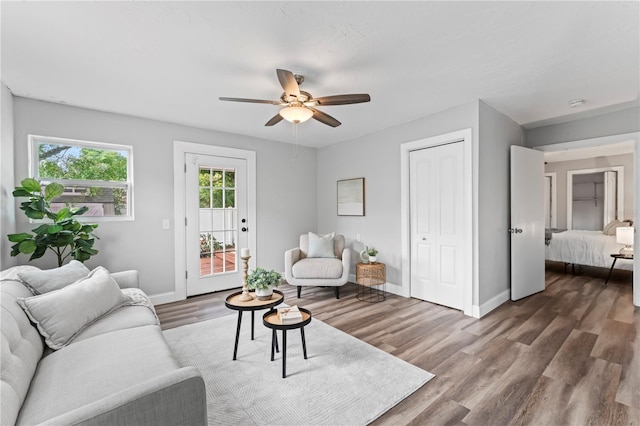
(591, 248)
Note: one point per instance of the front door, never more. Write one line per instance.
(527, 222)
(216, 222)
(437, 224)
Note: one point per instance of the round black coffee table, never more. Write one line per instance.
(271, 320)
(233, 302)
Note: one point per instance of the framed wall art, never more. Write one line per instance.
(351, 197)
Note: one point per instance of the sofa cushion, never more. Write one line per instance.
(120, 319)
(92, 369)
(61, 314)
(21, 347)
(317, 267)
(44, 281)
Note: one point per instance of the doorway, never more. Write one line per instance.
(611, 145)
(464, 263)
(209, 206)
(216, 229)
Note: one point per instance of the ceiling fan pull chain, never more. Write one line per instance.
(295, 139)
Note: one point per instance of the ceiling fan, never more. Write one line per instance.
(299, 105)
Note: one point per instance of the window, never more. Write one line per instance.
(96, 175)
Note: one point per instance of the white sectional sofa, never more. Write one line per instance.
(116, 369)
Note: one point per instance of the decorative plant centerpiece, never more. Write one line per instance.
(372, 252)
(263, 282)
(65, 236)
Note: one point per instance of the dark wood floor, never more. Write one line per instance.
(567, 356)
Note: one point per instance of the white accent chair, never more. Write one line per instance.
(301, 270)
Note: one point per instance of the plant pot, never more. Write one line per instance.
(264, 293)
(372, 259)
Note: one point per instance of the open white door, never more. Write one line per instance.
(527, 222)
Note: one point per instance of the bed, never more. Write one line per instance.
(590, 248)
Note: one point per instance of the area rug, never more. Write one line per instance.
(344, 381)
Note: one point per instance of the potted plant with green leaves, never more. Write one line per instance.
(372, 252)
(64, 235)
(263, 281)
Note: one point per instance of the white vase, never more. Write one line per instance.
(372, 259)
(264, 293)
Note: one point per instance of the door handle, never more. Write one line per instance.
(244, 229)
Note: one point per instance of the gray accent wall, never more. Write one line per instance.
(376, 157)
(7, 210)
(608, 124)
(562, 167)
(497, 133)
(286, 197)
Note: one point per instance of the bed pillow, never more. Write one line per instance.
(61, 314)
(44, 281)
(610, 229)
(321, 245)
(608, 226)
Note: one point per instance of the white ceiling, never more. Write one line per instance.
(172, 60)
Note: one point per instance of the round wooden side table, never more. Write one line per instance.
(233, 302)
(271, 320)
(372, 278)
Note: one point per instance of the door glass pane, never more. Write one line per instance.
(217, 198)
(218, 219)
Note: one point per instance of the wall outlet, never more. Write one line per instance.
(357, 237)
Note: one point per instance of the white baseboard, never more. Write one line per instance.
(159, 299)
(491, 304)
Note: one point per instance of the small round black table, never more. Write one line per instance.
(616, 257)
(271, 320)
(233, 302)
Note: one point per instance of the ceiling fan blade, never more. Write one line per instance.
(288, 83)
(325, 118)
(253, 101)
(274, 120)
(342, 99)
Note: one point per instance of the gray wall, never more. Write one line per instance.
(7, 210)
(285, 204)
(376, 157)
(562, 167)
(497, 133)
(612, 123)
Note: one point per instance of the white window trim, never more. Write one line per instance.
(33, 172)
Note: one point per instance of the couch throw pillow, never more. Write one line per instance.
(44, 281)
(61, 314)
(321, 245)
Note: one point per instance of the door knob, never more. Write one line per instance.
(244, 229)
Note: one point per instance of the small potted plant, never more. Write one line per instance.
(263, 281)
(372, 252)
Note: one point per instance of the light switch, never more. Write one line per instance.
(165, 224)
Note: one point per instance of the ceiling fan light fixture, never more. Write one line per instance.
(296, 114)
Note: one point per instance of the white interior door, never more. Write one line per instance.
(216, 222)
(527, 222)
(437, 231)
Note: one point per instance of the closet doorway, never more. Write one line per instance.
(595, 197)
